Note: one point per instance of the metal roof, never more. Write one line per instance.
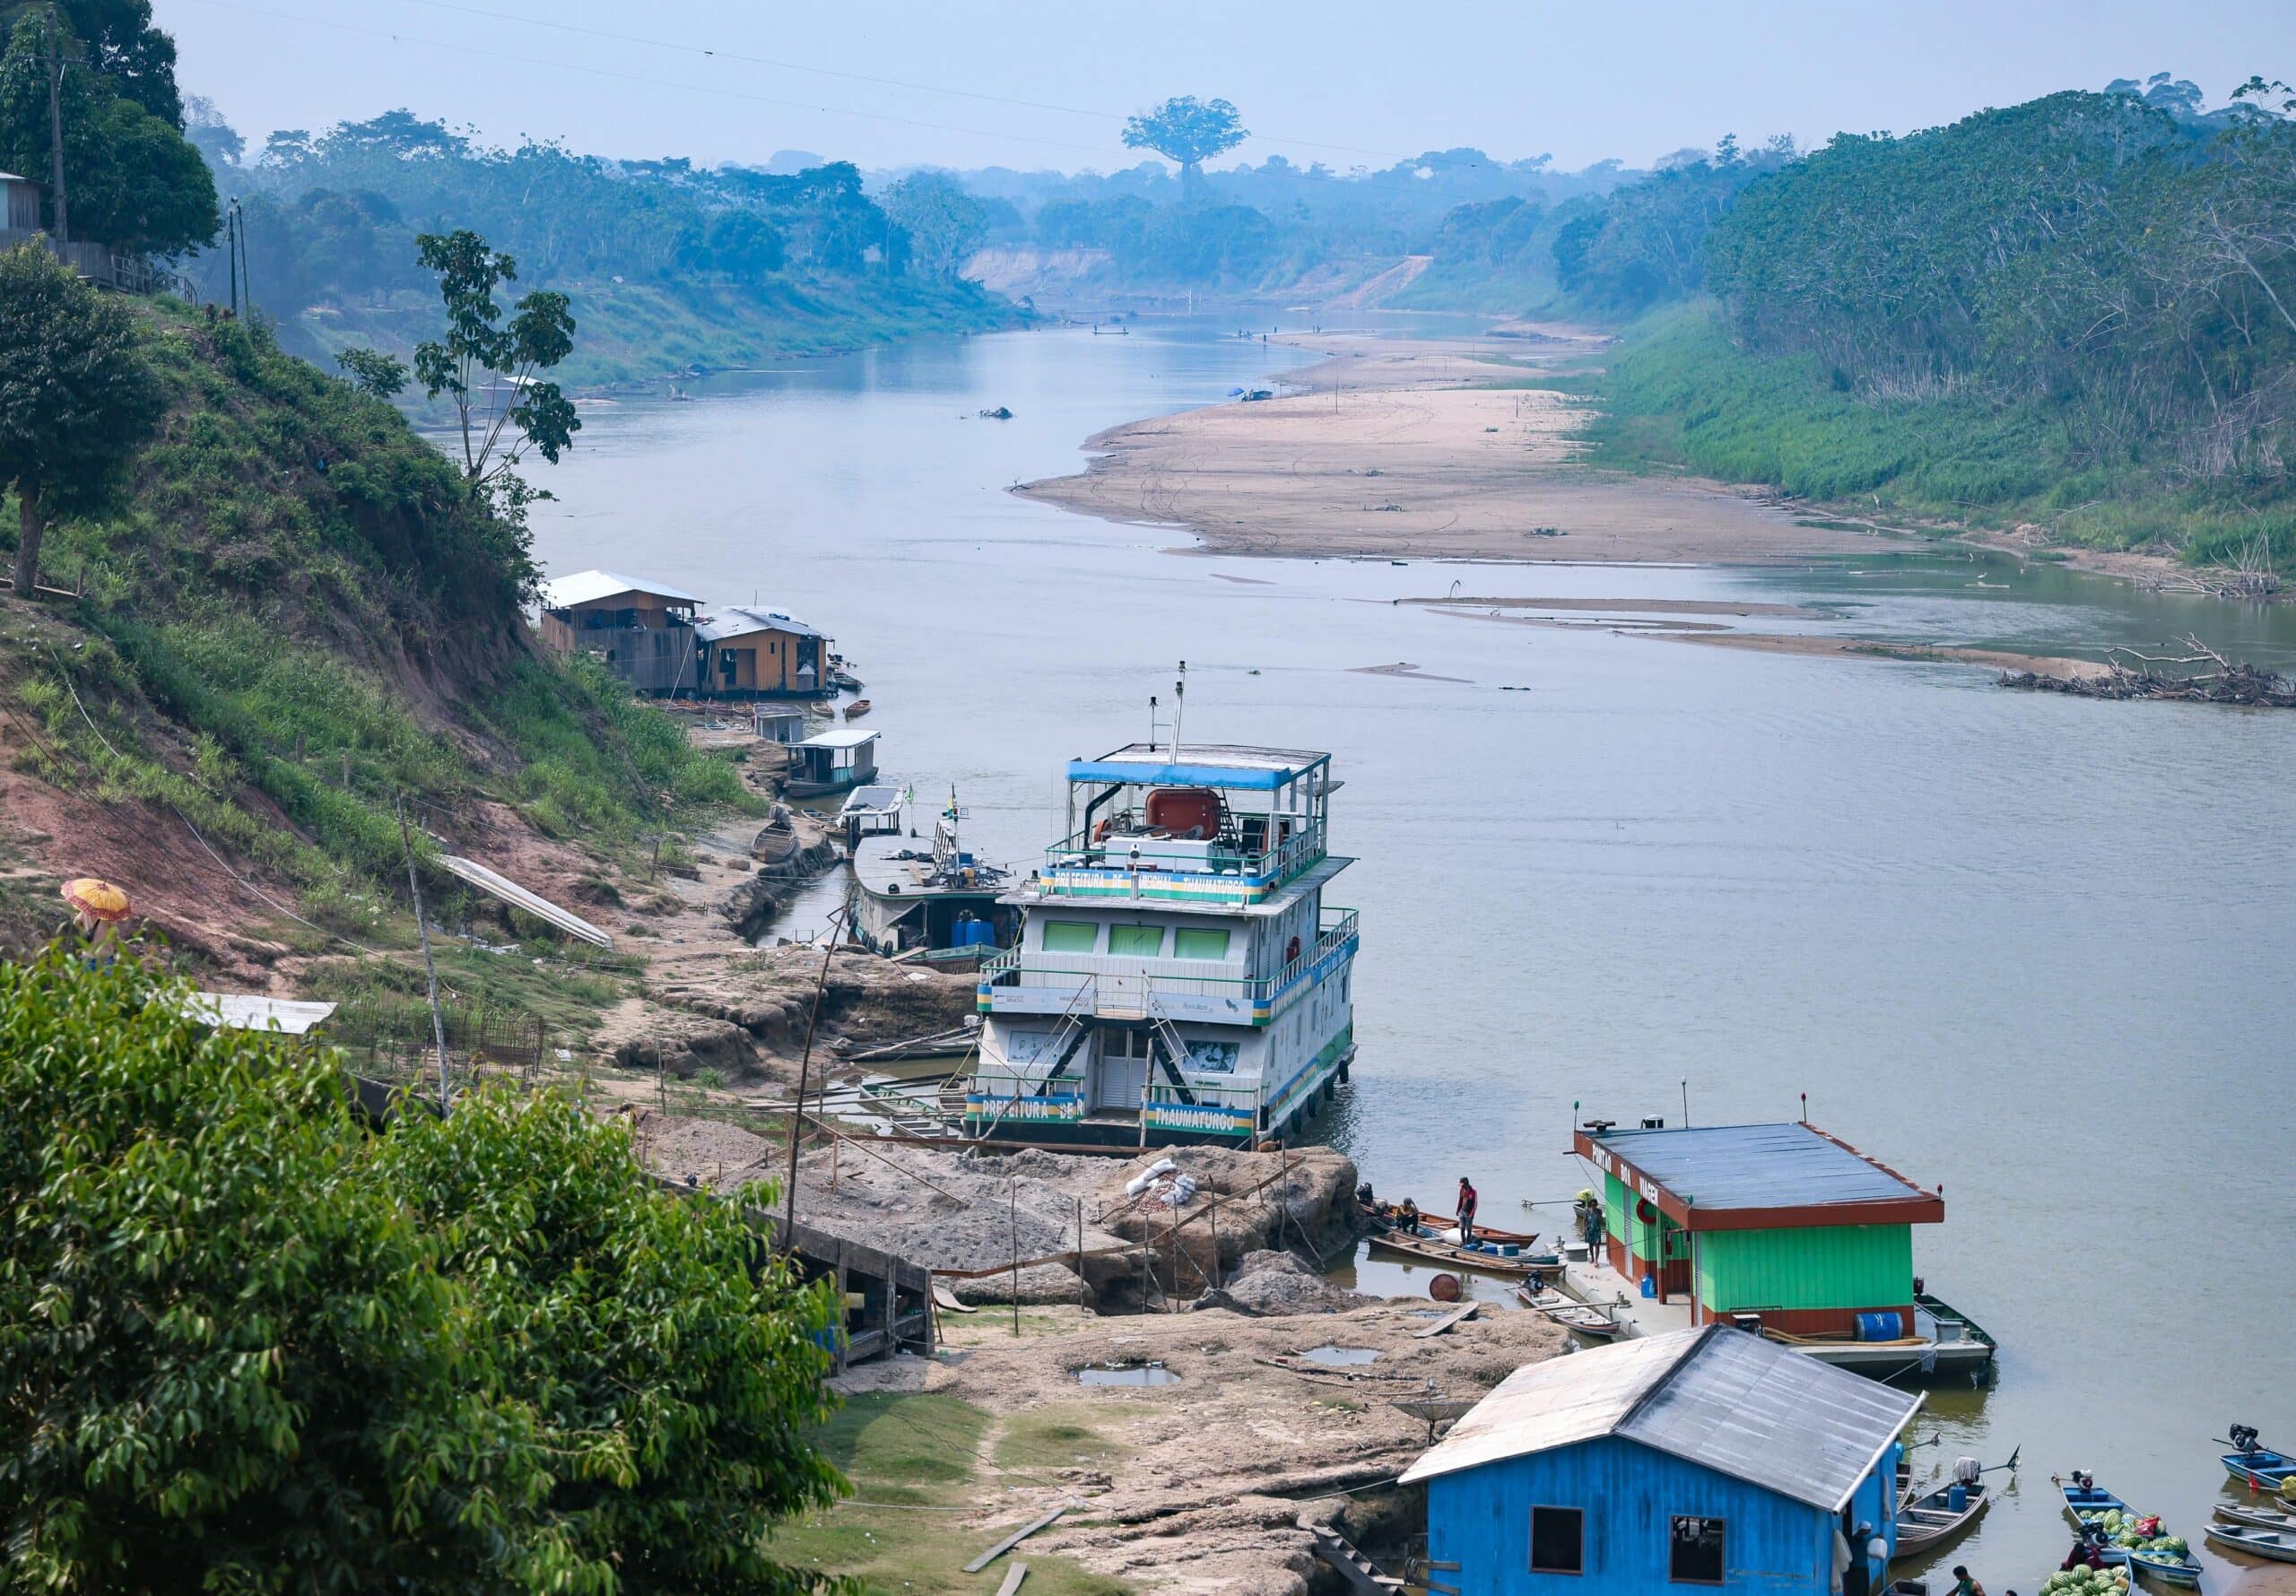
(588, 588)
(496, 885)
(837, 740)
(1716, 1397)
(248, 1011)
(1715, 1167)
(884, 800)
(737, 620)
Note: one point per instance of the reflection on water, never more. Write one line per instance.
(2030, 946)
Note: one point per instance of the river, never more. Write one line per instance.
(2030, 947)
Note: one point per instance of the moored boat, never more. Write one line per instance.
(856, 709)
(2258, 1518)
(2122, 1535)
(1410, 1215)
(1930, 1521)
(1451, 1253)
(2251, 1464)
(1581, 1319)
(2278, 1545)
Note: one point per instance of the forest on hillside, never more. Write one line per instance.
(668, 264)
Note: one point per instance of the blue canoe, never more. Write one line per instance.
(2269, 1468)
(2165, 1567)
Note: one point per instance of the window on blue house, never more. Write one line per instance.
(1696, 1557)
(1558, 1544)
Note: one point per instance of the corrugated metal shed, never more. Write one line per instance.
(1716, 1397)
(1785, 1165)
(587, 588)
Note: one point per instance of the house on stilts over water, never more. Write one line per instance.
(1178, 977)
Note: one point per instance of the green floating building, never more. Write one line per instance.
(1779, 1229)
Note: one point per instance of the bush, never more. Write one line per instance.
(250, 1347)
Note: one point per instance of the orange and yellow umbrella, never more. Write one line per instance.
(95, 897)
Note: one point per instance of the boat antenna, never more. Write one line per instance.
(1805, 1109)
(1179, 694)
(1685, 1104)
(1152, 720)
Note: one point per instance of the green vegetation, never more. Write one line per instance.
(255, 1347)
(132, 179)
(295, 612)
(1188, 132)
(75, 395)
(915, 1462)
(666, 265)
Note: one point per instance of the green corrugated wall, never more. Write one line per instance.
(1618, 1216)
(1835, 1266)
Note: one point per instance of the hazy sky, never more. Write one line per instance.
(1331, 79)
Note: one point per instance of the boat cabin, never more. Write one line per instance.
(873, 811)
(760, 654)
(643, 630)
(1701, 1457)
(831, 762)
(1178, 977)
(1777, 1226)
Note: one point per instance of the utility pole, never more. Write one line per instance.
(430, 970)
(56, 132)
(232, 251)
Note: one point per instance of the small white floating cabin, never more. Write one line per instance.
(1178, 977)
(831, 762)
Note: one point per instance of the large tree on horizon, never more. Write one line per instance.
(1190, 131)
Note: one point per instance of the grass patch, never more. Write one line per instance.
(1051, 1438)
(1683, 395)
(910, 1458)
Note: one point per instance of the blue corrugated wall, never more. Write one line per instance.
(1481, 1520)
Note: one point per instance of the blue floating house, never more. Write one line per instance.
(1704, 1457)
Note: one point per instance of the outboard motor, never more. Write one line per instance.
(2244, 1437)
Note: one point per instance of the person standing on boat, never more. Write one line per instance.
(1466, 1212)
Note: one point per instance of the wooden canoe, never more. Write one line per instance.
(1390, 1213)
(1930, 1521)
(1452, 1255)
(856, 709)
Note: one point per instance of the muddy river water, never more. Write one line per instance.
(2035, 949)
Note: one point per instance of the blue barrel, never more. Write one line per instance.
(1508, 1252)
(1879, 1327)
(1957, 1496)
(1649, 1287)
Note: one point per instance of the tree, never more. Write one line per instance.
(211, 134)
(1189, 131)
(135, 182)
(253, 1346)
(944, 224)
(371, 371)
(77, 397)
(487, 368)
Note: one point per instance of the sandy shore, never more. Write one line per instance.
(1422, 449)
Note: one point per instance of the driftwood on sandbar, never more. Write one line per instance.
(2129, 674)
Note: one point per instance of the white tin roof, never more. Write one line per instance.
(587, 588)
(249, 1012)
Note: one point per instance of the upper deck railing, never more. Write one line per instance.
(1082, 866)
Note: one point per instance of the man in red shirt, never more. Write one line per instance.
(1466, 1212)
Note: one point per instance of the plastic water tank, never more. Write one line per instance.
(1649, 1287)
(1879, 1327)
(1957, 1497)
(1184, 812)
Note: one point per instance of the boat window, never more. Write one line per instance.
(1696, 1557)
(1196, 942)
(1071, 936)
(1558, 1544)
(1145, 940)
